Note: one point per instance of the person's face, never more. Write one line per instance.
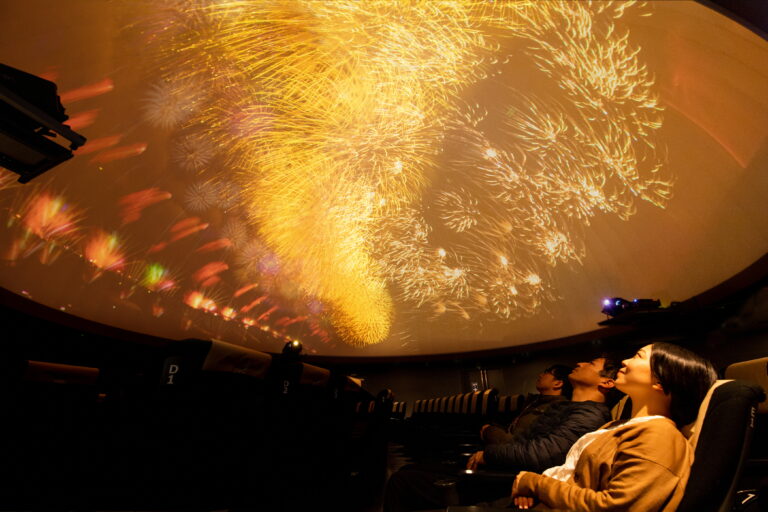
(636, 372)
(587, 373)
(547, 382)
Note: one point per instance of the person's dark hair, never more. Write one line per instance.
(561, 372)
(611, 367)
(684, 376)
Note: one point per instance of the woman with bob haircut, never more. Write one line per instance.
(641, 464)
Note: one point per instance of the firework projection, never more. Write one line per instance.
(339, 170)
(338, 117)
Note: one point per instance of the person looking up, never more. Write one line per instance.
(552, 385)
(640, 464)
(552, 434)
(544, 444)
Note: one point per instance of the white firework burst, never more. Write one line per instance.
(193, 153)
(168, 104)
(200, 196)
(235, 230)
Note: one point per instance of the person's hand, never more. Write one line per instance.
(475, 460)
(523, 502)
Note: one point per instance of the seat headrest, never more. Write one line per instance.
(754, 371)
(226, 357)
(692, 430)
(314, 375)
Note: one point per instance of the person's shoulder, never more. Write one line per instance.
(656, 432)
(578, 409)
(559, 405)
(657, 439)
(658, 426)
(589, 405)
(595, 413)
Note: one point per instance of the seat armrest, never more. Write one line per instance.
(488, 475)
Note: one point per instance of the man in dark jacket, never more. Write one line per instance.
(552, 385)
(544, 445)
(550, 437)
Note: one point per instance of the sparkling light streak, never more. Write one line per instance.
(51, 218)
(157, 278)
(104, 251)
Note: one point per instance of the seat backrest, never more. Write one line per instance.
(489, 402)
(754, 371)
(721, 437)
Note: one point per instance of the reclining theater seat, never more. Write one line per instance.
(720, 438)
(754, 481)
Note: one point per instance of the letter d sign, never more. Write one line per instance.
(170, 371)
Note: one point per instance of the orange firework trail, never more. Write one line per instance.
(133, 204)
(181, 229)
(245, 289)
(119, 153)
(87, 91)
(189, 231)
(266, 314)
(253, 304)
(185, 224)
(221, 243)
(157, 247)
(82, 119)
(286, 320)
(209, 270)
(210, 281)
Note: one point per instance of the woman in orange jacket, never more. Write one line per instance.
(641, 464)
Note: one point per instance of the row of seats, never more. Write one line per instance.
(398, 410)
(442, 429)
(198, 424)
(476, 403)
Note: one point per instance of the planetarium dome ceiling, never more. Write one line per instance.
(385, 177)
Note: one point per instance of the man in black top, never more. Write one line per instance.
(544, 445)
(547, 441)
(552, 385)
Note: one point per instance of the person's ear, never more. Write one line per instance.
(656, 386)
(557, 384)
(607, 383)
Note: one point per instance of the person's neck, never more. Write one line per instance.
(649, 406)
(582, 394)
(549, 392)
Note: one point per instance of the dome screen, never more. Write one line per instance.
(385, 178)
